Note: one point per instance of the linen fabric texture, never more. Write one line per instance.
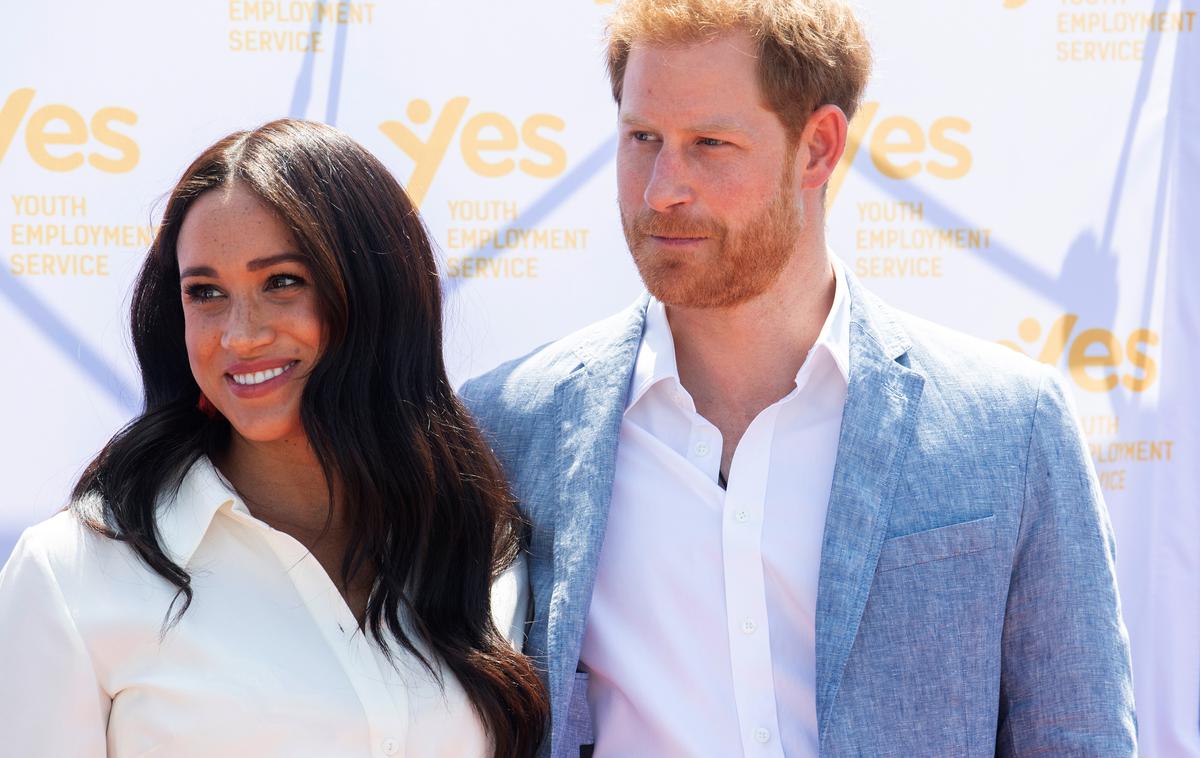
(728, 610)
(967, 601)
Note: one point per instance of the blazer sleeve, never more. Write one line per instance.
(1065, 680)
(50, 700)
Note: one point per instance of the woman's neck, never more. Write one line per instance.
(283, 484)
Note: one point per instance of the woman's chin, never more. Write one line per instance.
(266, 430)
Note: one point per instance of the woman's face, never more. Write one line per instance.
(252, 326)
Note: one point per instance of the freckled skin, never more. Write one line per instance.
(234, 314)
(723, 210)
(701, 156)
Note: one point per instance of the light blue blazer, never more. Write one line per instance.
(967, 601)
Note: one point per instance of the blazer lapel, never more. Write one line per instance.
(877, 425)
(591, 403)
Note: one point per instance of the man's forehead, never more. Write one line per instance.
(713, 83)
(730, 43)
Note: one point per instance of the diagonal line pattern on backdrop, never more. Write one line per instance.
(548, 202)
(1008, 261)
(1145, 75)
(71, 345)
(1166, 168)
(302, 90)
(999, 256)
(1002, 258)
(335, 76)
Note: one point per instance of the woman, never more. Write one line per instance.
(292, 550)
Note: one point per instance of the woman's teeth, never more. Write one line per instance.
(258, 377)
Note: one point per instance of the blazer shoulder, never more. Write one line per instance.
(975, 371)
(526, 384)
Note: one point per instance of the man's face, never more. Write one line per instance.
(705, 174)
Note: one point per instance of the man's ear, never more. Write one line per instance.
(821, 144)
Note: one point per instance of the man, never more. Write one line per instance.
(772, 516)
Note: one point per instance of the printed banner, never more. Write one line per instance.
(1027, 171)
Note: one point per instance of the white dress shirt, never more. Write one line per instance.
(267, 661)
(700, 639)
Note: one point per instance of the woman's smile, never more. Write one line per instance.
(247, 381)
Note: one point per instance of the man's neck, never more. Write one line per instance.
(736, 361)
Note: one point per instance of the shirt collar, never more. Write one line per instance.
(656, 362)
(656, 356)
(183, 517)
(835, 332)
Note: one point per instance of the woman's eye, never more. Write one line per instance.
(283, 281)
(200, 293)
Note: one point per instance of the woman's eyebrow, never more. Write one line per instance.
(197, 271)
(271, 260)
(254, 265)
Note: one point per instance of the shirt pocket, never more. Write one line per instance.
(937, 544)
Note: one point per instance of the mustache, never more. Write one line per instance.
(648, 223)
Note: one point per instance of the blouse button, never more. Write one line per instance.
(390, 746)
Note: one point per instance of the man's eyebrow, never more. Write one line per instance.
(628, 120)
(719, 125)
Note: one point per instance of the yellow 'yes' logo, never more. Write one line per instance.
(490, 143)
(1095, 357)
(901, 148)
(65, 128)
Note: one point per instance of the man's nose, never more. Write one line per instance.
(246, 328)
(669, 183)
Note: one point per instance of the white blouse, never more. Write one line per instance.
(267, 661)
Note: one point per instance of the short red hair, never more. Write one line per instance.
(811, 52)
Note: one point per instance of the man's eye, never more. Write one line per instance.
(711, 141)
(642, 136)
(201, 293)
(283, 281)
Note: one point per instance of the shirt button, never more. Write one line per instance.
(389, 746)
(701, 448)
(748, 626)
(741, 517)
(762, 735)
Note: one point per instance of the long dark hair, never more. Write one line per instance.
(425, 502)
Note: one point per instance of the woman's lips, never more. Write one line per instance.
(250, 381)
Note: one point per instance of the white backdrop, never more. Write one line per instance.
(1024, 170)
